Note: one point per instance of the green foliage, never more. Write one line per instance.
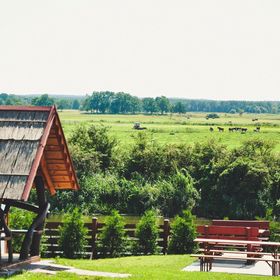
(146, 159)
(212, 116)
(147, 233)
(19, 219)
(242, 185)
(207, 161)
(72, 239)
(176, 194)
(182, 234)
(112, 237)
(150, 105)
(91, 147)
(163, 104)
(179, 107)
(42, 100)
(10, 99)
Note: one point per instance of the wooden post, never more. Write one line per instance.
(41, 198)
(166, 232)
(93, 237)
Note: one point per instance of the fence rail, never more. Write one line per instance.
(94, 228)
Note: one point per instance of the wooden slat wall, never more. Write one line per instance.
(57, 161)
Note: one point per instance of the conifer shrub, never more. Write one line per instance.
(113, 238)
(147, 234)
(73, 234)
(183, 233)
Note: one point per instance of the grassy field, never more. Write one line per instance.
(188, 128)
(145, 268)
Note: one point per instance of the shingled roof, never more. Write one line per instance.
(32, 142)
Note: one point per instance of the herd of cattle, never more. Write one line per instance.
(233, 129)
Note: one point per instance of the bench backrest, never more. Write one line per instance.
(242, 223)
(228, 232)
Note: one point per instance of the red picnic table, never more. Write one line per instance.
(208, 253)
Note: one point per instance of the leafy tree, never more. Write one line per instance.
(76, 104)
(93, 143)
(146, 159)
(72, 235)
(243, 186)
(147, 233)
(183, 233)
(124, 103)
(163, 104)
(207, 162)
(112, 237)
(63, 103)
(179, 108)
(150, 105)
(43, 100)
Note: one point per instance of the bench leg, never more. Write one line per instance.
(201, 264)
(275, 268)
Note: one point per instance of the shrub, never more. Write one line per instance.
(19, 219)
(177, 194)
(72, 239)
(147, 234)
(183, 234)
(93, 142)
(112, 238)
(212, 116)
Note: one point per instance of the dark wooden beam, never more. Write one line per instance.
(32, 239)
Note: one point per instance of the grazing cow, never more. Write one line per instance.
(243, 130)
(221, 129)
(255, 120)
(257, 129)
(211, 129)
(231, 129)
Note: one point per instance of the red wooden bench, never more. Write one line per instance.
(262, 225)
(228, 232)
(231, 233)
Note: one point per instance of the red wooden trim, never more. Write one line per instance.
(72, 170)
(25, 108)
(39, 154)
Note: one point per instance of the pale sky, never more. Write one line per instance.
(212, 49)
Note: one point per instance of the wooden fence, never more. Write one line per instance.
(94, 228)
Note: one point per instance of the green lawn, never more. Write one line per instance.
(189, 128)
(149, 267)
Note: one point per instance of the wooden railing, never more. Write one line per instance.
(94, 228)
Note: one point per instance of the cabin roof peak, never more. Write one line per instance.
(32, 143)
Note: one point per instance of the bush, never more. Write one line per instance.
(94, 143)
(183, 233)
(19, 219)
(112, 239)
(177, 194)
(212, 116)
(72, 239)
(147, 234)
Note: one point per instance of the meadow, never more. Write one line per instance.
(177, 129)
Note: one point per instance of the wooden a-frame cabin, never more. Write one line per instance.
(33, 154)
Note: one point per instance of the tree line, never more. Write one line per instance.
(107, 102)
